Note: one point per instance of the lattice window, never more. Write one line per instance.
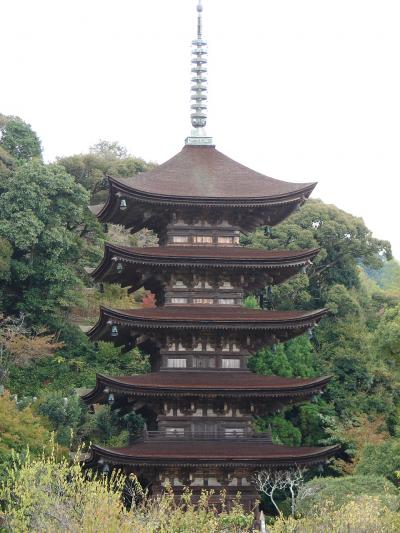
(179, 432)
(230, 363)
(202, 239)
(208, 301)
(225, 240)
(180, 239)
(176, 363)
(204, 362)
(179, 300)
(179, 284)
(226, 301)
(232, 432)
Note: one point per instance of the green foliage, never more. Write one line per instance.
(292, 359)
(388, 277)
(7, 162)
(76, 365)
(355, 344)
(339, 491)
(18, 139)
(41, 211)
(380, 460)
(65, 413)
(5, 259)
(19, 429)
(387, 336)
(283, 430)
(105, 158)
(251, 302)
(343, 239)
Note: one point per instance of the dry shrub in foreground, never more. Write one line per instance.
(364, 515)
(47, 495)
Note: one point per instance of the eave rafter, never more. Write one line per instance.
(264, 327)
(136, 267)
(154, 211)
(288, 392)
(254, 457)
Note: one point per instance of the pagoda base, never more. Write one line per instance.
(224, 466)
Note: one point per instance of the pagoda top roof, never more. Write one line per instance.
(213, 452)
(204, 177)
(204, 383)
(204, 172)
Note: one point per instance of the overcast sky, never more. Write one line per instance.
(299, 90)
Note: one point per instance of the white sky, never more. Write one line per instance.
(299, 90)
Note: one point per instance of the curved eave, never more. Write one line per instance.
(303, 191)
(209, 454)
(304, 388)
(254, 321)
(109, 212)
(138, 257)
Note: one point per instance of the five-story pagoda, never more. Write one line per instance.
(200, 399)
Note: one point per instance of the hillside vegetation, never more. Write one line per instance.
(49, 241)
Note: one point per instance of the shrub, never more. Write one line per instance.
(366, 515)
(340, 490)
(50, 495)
(19, 429)
(382, 459)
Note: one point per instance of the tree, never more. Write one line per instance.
(105, 158)
(340, 490)
(20, 429)
(7, 163)
(387, 336)
(20, 346)
(269, 482)
(382, 459)
(18, 139)
(42, 211)
(66, 414)
(344, 242)
(5, 259)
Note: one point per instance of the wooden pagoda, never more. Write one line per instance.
(200, 399)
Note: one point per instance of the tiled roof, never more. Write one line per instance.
(193, 452)
(213, 313)
(214, 380)
(204, 172)
(214, 252)
(203, 383)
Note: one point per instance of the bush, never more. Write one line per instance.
(19, 429)
(382, 459)
(47, 495)
(339, 491)
(366, 515)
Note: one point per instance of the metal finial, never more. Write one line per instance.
(199, 85)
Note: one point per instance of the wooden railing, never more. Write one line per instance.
(245, 436)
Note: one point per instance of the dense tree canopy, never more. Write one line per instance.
(105, 158)
(41, 213)
(347, 344)
(17, 140)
